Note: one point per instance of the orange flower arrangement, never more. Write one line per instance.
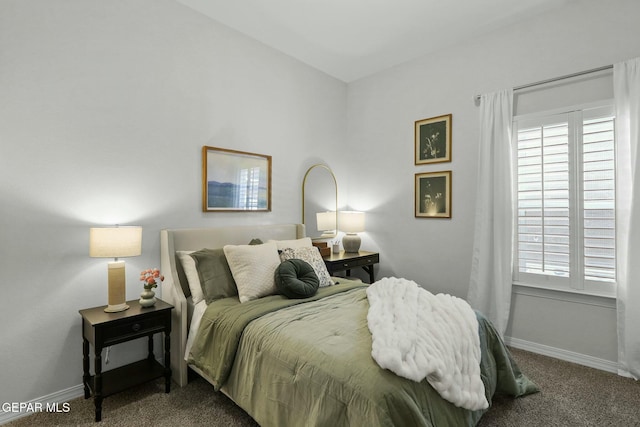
(148, 278)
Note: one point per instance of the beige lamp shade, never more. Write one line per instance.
(351, 221)
(115, 242)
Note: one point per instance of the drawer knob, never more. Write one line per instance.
(136, 327)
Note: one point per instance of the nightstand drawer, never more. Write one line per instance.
(361, 262)
(137, 327)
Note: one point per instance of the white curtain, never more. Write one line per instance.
(491, 268)
(626, 89)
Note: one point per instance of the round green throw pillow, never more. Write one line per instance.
(296, 278)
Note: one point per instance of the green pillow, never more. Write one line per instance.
(296, 278)
(215, 275)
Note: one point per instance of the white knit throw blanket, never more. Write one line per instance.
(419, 335)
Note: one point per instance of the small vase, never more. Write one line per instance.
(147, 298)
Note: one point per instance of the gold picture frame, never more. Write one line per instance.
(433, 194)
(433, 140)
(235, 181)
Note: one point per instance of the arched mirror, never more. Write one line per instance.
(320, 202)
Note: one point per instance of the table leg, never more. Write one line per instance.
(97, 396)
(150, 348)
(86, 375)
(369, 269)
(167, 362)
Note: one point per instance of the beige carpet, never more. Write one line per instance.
(572, 395)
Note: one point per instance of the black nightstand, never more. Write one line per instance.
(348, 260)
(105, 329)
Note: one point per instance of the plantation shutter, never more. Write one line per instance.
(599, 198)
(566, 199)
(543, 198)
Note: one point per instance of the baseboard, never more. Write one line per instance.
(566, 355)
(43, 403)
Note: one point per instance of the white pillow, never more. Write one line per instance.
(190, 270)
(305, 242)
(313, 257)
(253, 268)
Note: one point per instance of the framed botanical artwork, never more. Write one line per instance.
(234, 181)
(433, 195)
(433, 140)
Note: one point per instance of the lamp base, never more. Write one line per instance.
(116, 308)
(117, 290)
(351, 243)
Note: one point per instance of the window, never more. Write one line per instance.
(565, 236)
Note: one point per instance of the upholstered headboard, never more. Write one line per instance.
(175, 289)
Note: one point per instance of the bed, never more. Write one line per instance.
(290, 362)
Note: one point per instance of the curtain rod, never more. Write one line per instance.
(555, 79)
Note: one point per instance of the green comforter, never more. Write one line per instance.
(308, 363)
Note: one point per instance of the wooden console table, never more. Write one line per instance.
(346, 261)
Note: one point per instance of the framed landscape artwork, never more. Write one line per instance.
(433, 140)
(234, 181)
(433, 195)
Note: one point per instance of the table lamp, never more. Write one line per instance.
(115, 242)
(326, 223)
(351, 222)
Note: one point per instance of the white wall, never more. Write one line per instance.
(104, 108)
(437, 252)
